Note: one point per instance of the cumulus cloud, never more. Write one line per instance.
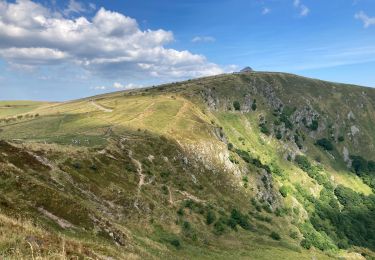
(203, 39)
(32, 56)
(303, 9)
(118, 86)
(109, 44)
(367, 21)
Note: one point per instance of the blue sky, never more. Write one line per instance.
(61, 50)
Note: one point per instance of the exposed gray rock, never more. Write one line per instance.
(346, 157)
(354, 130)
(210, 98)
(246, 106)
(266, 191)
(351, 115)
(305, 114)
(268, 92)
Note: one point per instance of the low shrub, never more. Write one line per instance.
(264, 129)
(211, 217)
(325, 144)
(284, 191)
(236, 105)
(176, 243)
(275, 236)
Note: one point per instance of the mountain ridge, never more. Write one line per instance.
(202, 168)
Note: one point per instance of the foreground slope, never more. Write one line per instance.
(250, 165)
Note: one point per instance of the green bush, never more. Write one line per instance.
(276, 170)
(314, 125)
(180, 211)
(219, 226)
(359, 164)
(294, 234)
(211, 217)
(77, 165)
(233, 159)
(306, 244)
(317, 239)
(284, 191)
(236, 105)
(325, 144)
(285, 115)
(244, 155)
(186, 225)
(303, 162)
(254, 105)
(165, 175)
(275, 236)
(237, 218)
(371, 166)
(176, 243)
(279, 134)
(232, 223)
(164, 189)
(264, 129)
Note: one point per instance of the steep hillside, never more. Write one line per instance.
(249, 165)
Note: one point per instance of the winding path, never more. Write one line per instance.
(107, 110)
(141, 178)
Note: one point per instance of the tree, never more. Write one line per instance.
(275, 236)
(314, 125)
(303, 162)
(359, 164)
(254, 105)
(210, 218)
(325, 144)
(236, 105)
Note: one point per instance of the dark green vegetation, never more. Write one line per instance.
(325, 144)
(251, 165)
(364, 169)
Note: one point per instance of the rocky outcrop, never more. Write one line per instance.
(265, 190)
(210, 99)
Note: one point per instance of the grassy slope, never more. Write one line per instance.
(73, 132)
(12, 108)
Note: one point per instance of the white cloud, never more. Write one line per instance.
(110, 44)
(99, 88)
(303, 9)
(266, 10)
(32, 56)
(367, 21)
(118, 86)
(74, 7)
(203, 39)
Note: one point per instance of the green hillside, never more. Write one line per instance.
(251, 165)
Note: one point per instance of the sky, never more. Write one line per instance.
(60, 50)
